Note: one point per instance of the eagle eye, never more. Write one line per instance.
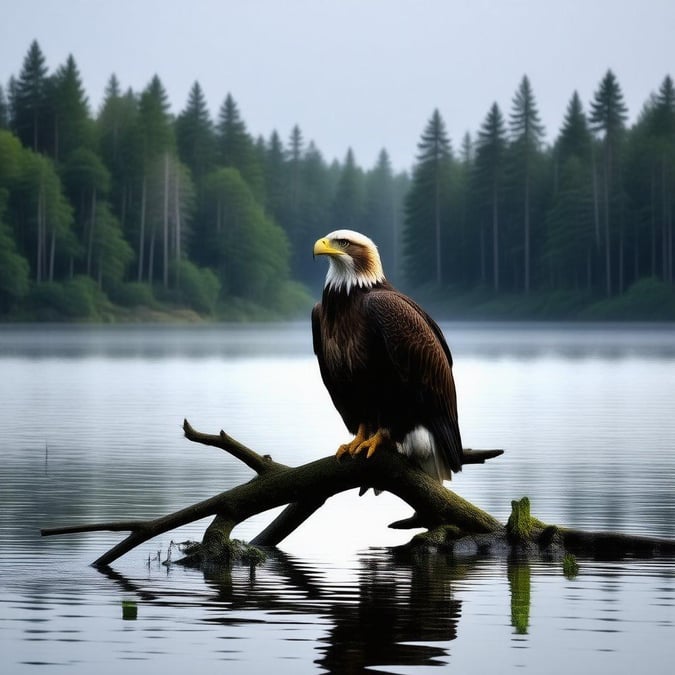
(343, 243)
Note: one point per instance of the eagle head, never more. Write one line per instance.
(353, 260)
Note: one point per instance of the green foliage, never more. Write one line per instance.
(14, 270)
(132, 295)
(248, 250)
(198, 288)
(4, 110)
(195, 138)
(225, 223)
(76, 299)
(646, 300)
(29, 100)
(427, 205)
(347, 207)
(71, 126)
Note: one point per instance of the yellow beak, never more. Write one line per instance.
(324, 247)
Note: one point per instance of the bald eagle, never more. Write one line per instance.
(384, 361)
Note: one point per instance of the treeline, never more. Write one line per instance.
(589, 217)
(136, 207)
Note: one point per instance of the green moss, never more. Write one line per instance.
(570, 566)
(521, 524)
(129, 610)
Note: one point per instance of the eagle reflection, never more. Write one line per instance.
(387, 617)
(400, 609)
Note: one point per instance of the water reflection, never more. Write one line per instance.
(394, 614)
(386, 616)
(585, 416)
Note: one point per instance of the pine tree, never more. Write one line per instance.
(195, 136)
(347, 209)
(575, 136)
(28, 99)
(156, 132)
(120, 146)
(662, 129)
(608, 116)
(236, 147)
(4, 110)
(275, 178)
(70, 123)
(569, 222)
(426, 206)
(381, 220)
(488, 182)
(526, 133)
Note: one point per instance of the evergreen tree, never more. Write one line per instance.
(156, 132)
(488, 180)
(569, 227)
(662, 130)
(570, 238)
(87, 183)
(608, 115)
(526, 133)
(381, 221)
(426, 206)
(236, 147)
(28, 99)
(155, 120)
(316, 191)
(275, 178)
(120, 146)
(70, 124)
(575, 136)
(347, 209)
(4, 110)
(195, 136)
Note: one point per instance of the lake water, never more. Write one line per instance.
(91, 431)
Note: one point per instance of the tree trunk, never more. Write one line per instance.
(495, 239)
(606, 194)
(527, 232)
(141, 237)
(92, 228)
(165, 224)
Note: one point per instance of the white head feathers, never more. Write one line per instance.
(353, 260)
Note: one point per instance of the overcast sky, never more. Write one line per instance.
(365, 74)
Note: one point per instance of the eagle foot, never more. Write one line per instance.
(371, 444)
(351, 448)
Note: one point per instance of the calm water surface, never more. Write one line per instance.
(91, 431)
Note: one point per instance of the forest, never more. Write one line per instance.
(137, 213)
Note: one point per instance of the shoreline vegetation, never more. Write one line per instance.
(646, 301)
(134, 213)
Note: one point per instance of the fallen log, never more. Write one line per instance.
(453, 524)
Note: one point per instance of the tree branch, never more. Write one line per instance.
(304, 489)
(453, 523)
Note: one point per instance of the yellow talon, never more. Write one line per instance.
(354, 444)
(371, 444)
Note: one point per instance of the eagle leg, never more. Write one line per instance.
(352, 446)
(380, 437)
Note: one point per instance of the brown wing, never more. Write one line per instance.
(338, 391)
(420, 355)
